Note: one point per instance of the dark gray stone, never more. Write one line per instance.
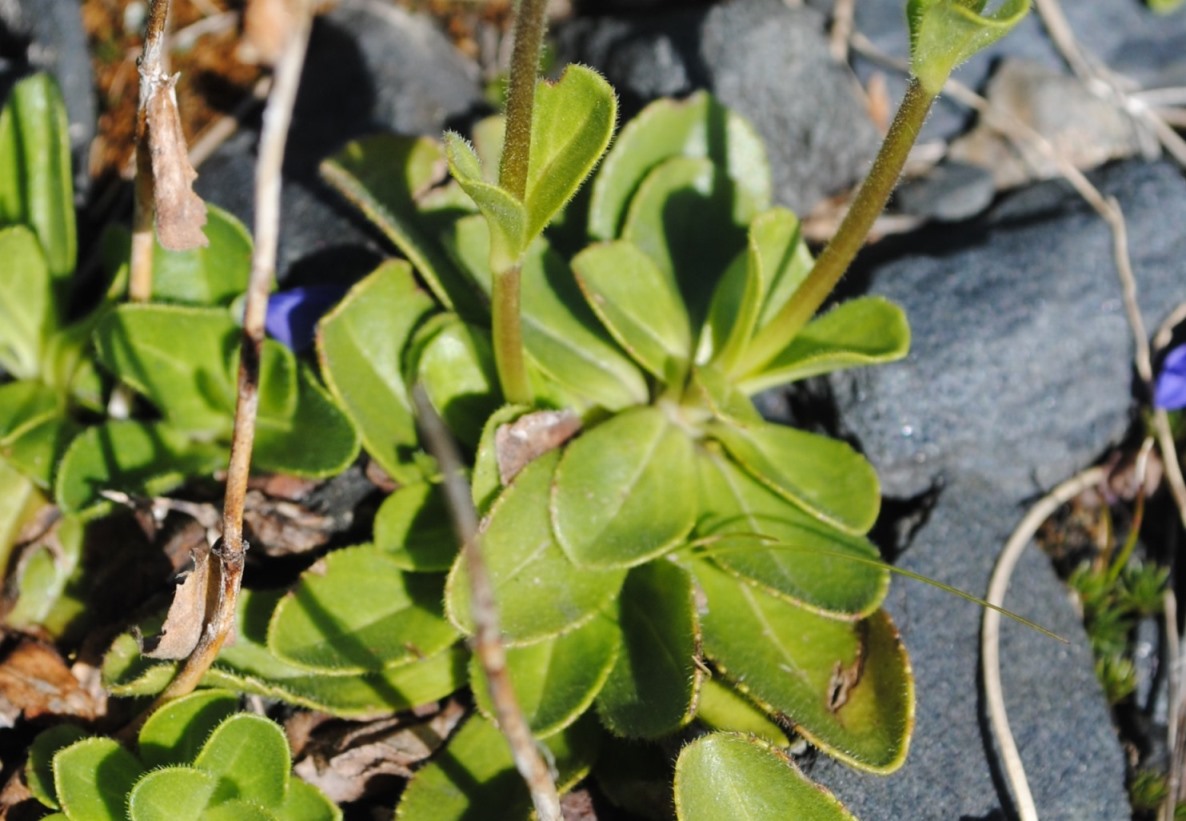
(949, 192)
(1019, 375)
(1124, 34)
(1019, 370)
(1060, 720)
(771, 64)
(371, 68)
(765, 60)
(47, 35)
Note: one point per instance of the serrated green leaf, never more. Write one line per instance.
(651, 691)
(92, 778)
(721, 707)
(249, 756)
(239, 810)
(863, 331)
(573, 121)
(753, 532)
(639, 305)
(625, 491)
(555, 680)
(39, 773)
(755, 286)
(24, 404)
(474, 776)
(176, 732)
(214, 275)
(732, 313)
(715, 392)
(689, 217)
(34, 429)
(360, 344)
(27, 312)
(35, 451)
(538, 590)
(305, 802)
(506, 216)
(698, 126)
(389, 178)
(825, 477)
(248, 666)
(179, 357)
(846, 687)
(140, 458)
(945, 33)
(172, 794)
(572, 360)
(317, 440)
(723, 775)
(413, 527)
(564, 339)
(355, 611)
(36, 182)
(777, 248)
(456, 367)
(467, 242)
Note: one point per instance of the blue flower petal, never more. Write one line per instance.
(1170, 390)
(293, 314)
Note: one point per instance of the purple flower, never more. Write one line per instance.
(1169, 392)
(293, 314)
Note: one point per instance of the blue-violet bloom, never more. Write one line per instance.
(293, 314)
(1169, 391)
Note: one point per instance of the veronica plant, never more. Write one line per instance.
(665, 561)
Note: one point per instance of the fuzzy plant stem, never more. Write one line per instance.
(512, 177)
(487, 640)
(153, 69)
(834, 260)
(227, 573)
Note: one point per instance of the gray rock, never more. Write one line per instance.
(1125, 35)
(371, 68)
(1084, 128)
(767, 61)
(1019, 375)
(1019, 371)
(644, 56)
(949, 192)
(771, 64)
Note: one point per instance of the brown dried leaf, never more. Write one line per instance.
(344, 760)
(180, 213)
(35, 681)
(529, 437)
(283, 528)
(194, 597)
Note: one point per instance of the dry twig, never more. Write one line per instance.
(226, 574)
(1105, 82)
(990, 631)
(487, 640)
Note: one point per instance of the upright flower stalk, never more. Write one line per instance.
(943, 34)
(512, 177)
